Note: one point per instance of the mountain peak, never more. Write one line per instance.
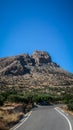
(41, 57)
(27, 73)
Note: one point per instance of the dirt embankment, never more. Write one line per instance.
(10, 114)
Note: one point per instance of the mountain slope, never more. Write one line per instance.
(30, 73)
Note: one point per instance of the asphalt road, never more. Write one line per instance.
(45, 118)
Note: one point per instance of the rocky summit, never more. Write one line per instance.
(36, 72)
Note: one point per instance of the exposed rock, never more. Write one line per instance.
(41, 57)
(38, 71)
(25, 59)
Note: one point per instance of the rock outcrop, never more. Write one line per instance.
(19, 65)
(41, 57)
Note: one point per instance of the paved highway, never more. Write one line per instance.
(46, 118)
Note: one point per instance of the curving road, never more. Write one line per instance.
(45, 118)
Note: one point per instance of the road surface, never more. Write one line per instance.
(45, 118)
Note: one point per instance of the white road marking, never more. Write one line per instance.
(70, 126)
(17, 126)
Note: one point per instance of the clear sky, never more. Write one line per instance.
(28, 25)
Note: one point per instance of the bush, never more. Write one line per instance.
(18, 98)
(1, 100)
(67, 98)
(70, 104)
(14, 96)
(45, 97)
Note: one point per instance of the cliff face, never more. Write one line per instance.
(25, 72)
(41, 57)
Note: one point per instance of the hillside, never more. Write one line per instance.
(36, 72)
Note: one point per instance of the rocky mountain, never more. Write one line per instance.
(36, 72)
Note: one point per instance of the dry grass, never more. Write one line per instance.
(12, 117)
(64, 108)
(2, 126)
(1, 113)
(8, 120)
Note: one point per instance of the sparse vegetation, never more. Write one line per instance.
(7, 119)
(58, 95)
(54, 96)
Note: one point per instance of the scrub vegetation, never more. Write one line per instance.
(26, 101)
(56, 95)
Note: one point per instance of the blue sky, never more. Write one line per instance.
(28, 25)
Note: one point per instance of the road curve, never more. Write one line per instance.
(45, 118)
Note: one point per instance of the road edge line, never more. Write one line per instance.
(18, 125)
(57, 109)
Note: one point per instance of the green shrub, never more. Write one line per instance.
(1, 100)
(44, 97)
(18, 98)
(67, 97)
(70, 104)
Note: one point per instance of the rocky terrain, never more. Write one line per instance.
(36, 72)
